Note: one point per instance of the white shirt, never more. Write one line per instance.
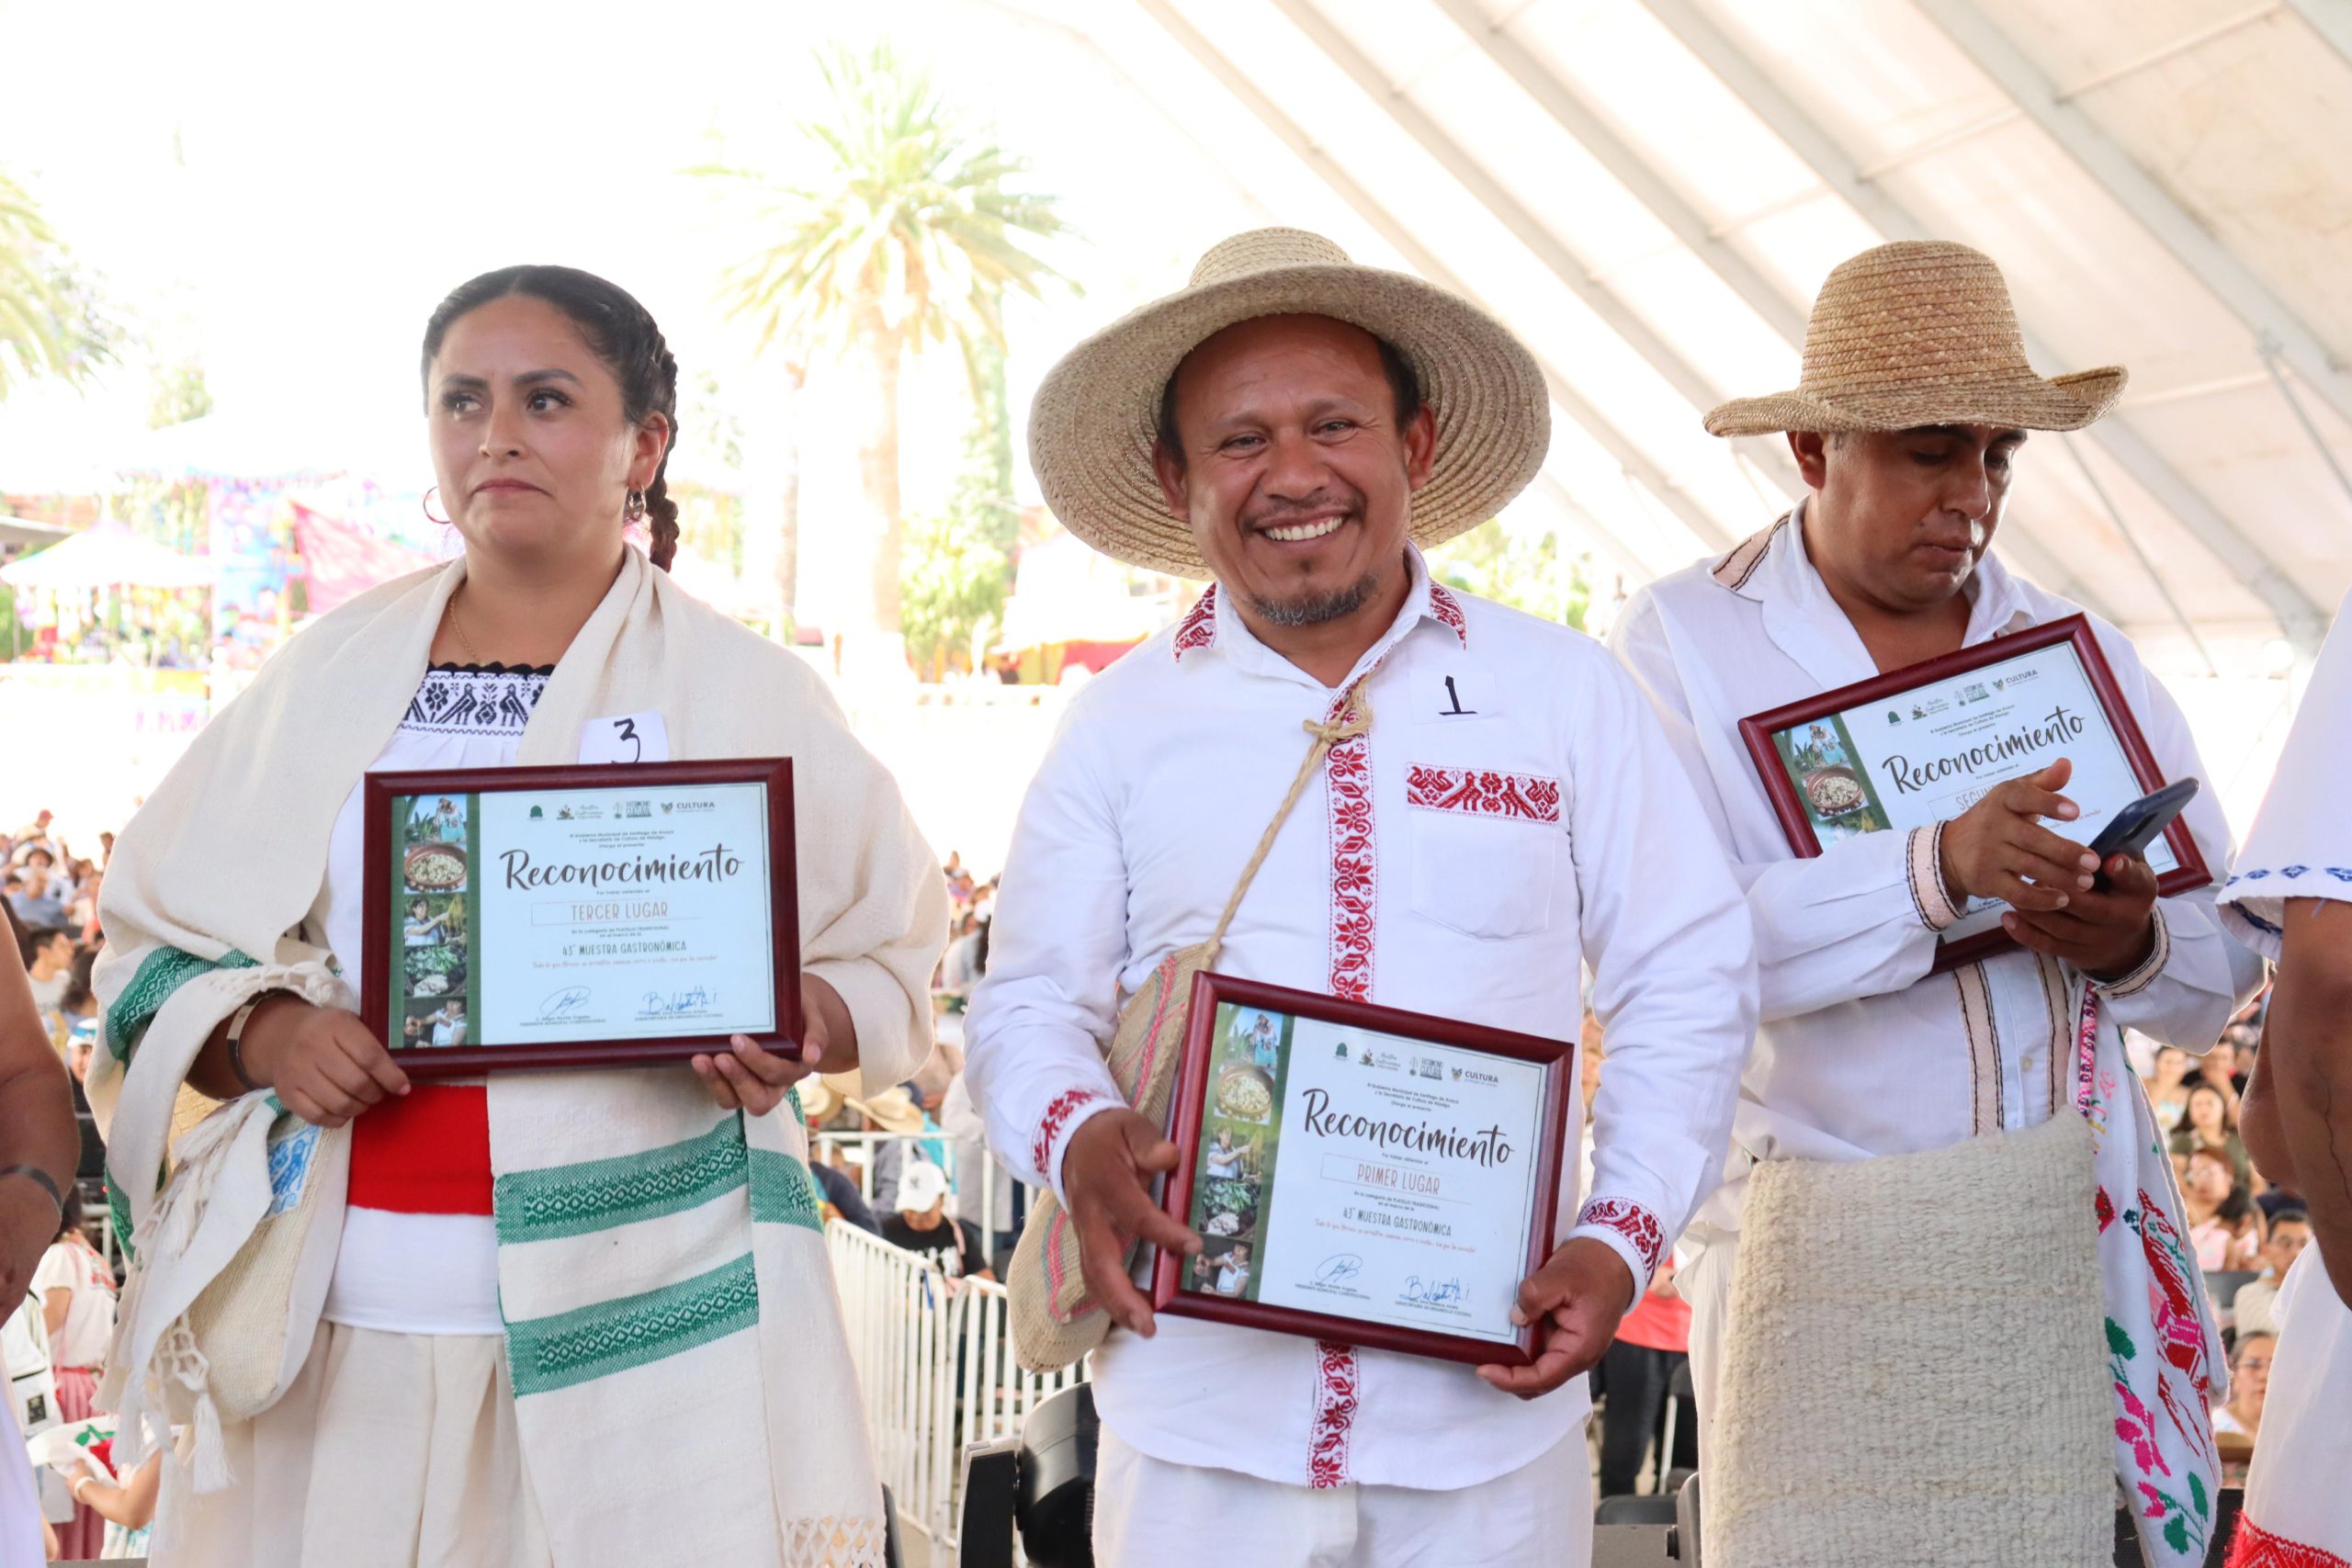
(2302, 842)
(81, 1339)
(419, 1273)
(1462, 862)
(1862, 1052)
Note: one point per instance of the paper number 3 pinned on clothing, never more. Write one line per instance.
(626, 738)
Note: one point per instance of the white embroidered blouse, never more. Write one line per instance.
(1512, 815)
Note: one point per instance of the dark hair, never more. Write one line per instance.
(69, 1209)
(2289, 1217)
(624, 337)
(2229, 1115)
(1404, 386)
(32, 942)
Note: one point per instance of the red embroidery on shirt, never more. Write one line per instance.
(1199, 629)
(1065, 1106)
(1527, 795)
(2253, 1547)
(1356, 877)
(1633, 1222)
(1334, 1414)
(1448, 609)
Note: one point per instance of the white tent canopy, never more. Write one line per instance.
(108, 555)
(1649, 191)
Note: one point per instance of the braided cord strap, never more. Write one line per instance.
(1055, 1321)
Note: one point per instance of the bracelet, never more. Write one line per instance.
(47, 1183)
(237, 1022)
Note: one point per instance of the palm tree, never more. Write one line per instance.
(909, 242)
(48, 325)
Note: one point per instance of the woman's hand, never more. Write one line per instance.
(325, 1066)
(752, 1079)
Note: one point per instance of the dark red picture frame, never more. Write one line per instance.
(1757, 729)
(376, 998)
(1210, 989)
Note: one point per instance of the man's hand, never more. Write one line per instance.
(1579, 1296)
(1998, 848)
(2105, 935)
(753, 1080)
(1107, 1168)
(325, 1065)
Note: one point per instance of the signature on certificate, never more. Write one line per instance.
(569, 1002)
(1344, 1266)
(1437, 1292)
(657, 1005)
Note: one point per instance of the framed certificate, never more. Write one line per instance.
(580, 917)
(1921, 745)
(1363, 1175)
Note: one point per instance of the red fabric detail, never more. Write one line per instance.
(1335, 1415)
(1633, 1222)
(2179, 1327)
(2253, 1547)
(1355, 886)
(1448, 609)
(1530, 796)
(1657, 1323)
(1199, 629)
(424, 1152)
(1355, 876)
(1065, 1106)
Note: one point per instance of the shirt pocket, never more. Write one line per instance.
(1486, 848)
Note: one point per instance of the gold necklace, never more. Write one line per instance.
(459, 626)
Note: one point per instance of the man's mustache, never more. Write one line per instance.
(1290, 514)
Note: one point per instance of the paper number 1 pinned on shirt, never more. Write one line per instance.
(626, 738)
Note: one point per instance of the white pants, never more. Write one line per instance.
(1148, 1512)
(1706, 1285)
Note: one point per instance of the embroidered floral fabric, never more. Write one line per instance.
(2164, 1350)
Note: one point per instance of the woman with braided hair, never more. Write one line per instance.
(544, 1291)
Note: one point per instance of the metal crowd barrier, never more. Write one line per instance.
(935, 1366)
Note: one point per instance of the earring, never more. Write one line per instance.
(635, 513)
(427, 505)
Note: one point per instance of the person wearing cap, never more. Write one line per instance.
(923, 1224)
(2288, 898)
(1908, 428)
(1496, 808)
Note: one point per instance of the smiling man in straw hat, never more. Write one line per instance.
(1908, 427)
(1480, 802)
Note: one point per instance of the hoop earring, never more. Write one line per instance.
(427, 505)
(635, 511)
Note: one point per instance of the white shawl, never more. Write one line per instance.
(661, 1271)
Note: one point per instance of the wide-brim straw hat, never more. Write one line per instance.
(1096, 420)
(1919, 332)
(892, 1111)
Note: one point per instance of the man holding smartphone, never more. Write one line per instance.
(1907, 428)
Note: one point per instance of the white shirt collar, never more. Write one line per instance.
(1774, 570)
(1213, 622)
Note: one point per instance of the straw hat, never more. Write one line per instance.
(1919, 332)
(892, 1111)
(1096, 419)
(823, 1095)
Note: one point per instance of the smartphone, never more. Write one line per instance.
(2135, 827)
